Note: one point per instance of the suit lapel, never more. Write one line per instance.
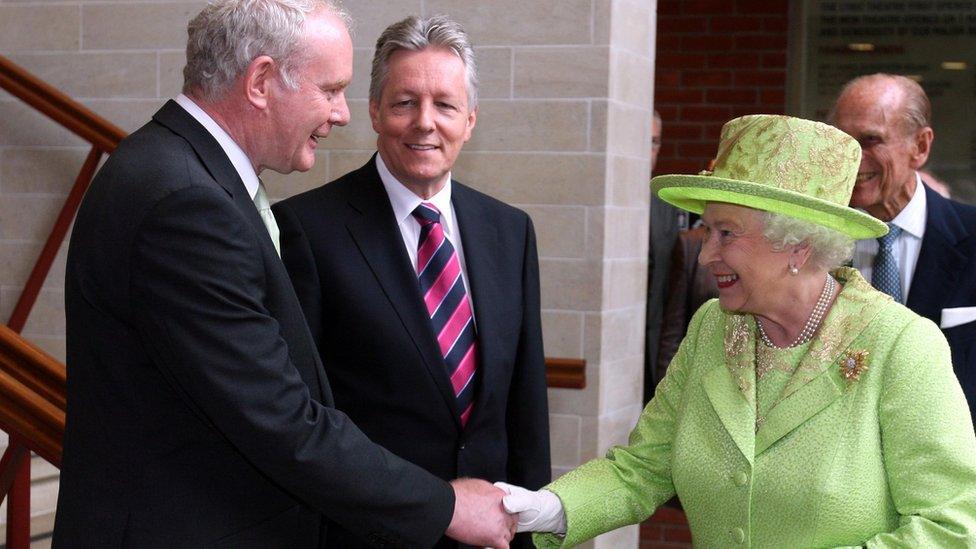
(731, 387)
(939, 262)
(818, 380)
(214, 159)
(482, 255)
(373, 227)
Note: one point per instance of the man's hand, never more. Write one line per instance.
(479, 517)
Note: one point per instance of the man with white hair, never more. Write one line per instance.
(199, 414)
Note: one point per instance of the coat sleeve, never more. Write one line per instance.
(632, 481)
(675, 314)
(929, 448)
(197, 293)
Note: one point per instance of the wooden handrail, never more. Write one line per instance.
(33, 387)
(64, 110)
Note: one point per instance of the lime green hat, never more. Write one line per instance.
(780, 164)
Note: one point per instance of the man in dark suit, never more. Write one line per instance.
(445, 368)
(198, 411)
(928, 260)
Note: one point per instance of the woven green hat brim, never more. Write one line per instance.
(691, 192)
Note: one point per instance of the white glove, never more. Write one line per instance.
(539, 511)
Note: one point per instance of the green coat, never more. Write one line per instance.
(886, 458)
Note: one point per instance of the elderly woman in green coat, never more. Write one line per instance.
(803, 408)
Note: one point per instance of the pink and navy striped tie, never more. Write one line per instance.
(439, 271)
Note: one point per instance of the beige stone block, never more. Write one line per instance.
(561, 72)
(570, 283)
(103, 75)
(47, 316)
(343, 162)
(622, 335)
(560, 230)
(362, 65)
(629, 80)
(16, 261)
(627, 537)
(515, 22)
(626, 232)
(562, 333)
(534, 178)
(577, 401)
(371, 18)
(281, 186)
(358, 134)
(52, 345)
(590, 447)
(136, 26)
(171, 65)
(629, 182)
(598, 120)
(49, 170)
(128, 114)
(631, 26)
(622, 384)
(28, 217)
(602, 16)
(530, 126)
(39, 27)
(22, 126)
(628, 130)
(615, 427)
(494, 72)
(564, 439)
(595, 220)
(592, 342)
(627, 281)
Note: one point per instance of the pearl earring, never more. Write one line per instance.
(793, 270)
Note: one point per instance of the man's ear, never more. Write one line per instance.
(921, 147)
(259, 79)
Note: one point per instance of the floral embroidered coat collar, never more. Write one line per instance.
(818, 379)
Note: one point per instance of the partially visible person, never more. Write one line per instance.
(665, 222)
(689, 286)
(928, 260)
(199, 414)
(423, 294)
(804, 408)
(935, 183)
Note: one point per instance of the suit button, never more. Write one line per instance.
(740, 479)
(463, 446)
(738, 535)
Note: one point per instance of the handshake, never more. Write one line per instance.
(490, 515)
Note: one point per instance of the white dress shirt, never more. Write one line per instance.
(911, 220)
(404, 202)
(233, 151)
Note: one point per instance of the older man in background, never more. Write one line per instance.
(198, 411)
(928, 259)
(422, 293)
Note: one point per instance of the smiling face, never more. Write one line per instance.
(872, 113)
(422, 117)
(751, 276)
(297, 119)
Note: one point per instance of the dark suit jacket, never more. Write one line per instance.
(198, 411)
(363, 302)
(690, 285)
(664, 226)
(945, 277)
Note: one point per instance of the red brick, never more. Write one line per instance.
(761, 6)
(712, 42)
(668, 149)
(680, 60)
(695, 113)
(776, 24)
(677, 533)
(738, 111)
(773, 97)
(759, 78)
(677, 95)
(682, 131)
(670, 25)
(774, 60)
(669, 43)
(669, 515)
(735, 23)
(705, 7)
(668, 7)
(760, 42)
(734, 61)
(706, 78)
(731, 96)
(696, 150)
(671, 164)
(668, 112)
(665, 545)
(651, 531)
(667, 77)
(713, 131)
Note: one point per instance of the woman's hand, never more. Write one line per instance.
(539, 511)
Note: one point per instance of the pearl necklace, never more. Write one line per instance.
(813, 321)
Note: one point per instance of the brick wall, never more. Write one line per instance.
(716, 59)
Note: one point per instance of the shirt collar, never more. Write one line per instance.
(404, 201)
(233, 151)
(912, 217)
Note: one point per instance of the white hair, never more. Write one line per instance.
(416, 34)
(829, 248)
(227, 35)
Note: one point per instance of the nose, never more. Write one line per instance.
(424, 121)
(340, 111)
(709, 249)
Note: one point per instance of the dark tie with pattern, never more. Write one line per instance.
(885, 276)
(439, 271)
